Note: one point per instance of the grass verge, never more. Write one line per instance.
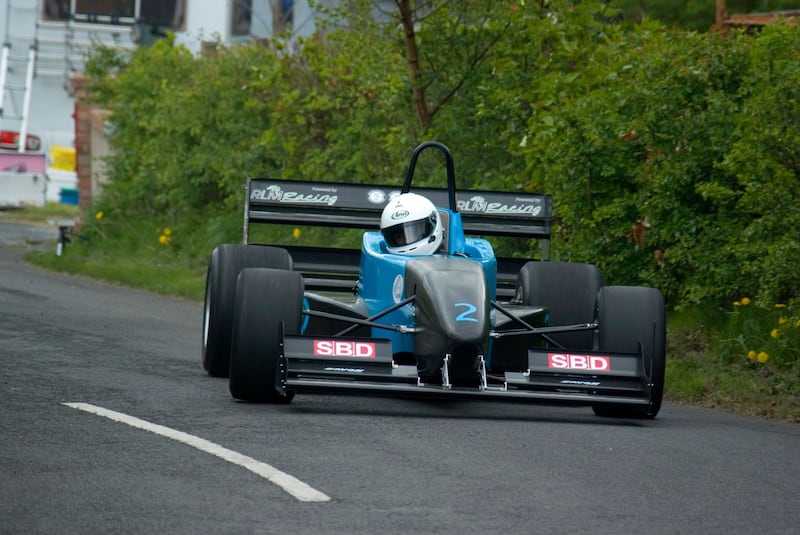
(151, 274)
(698, 376)
(40, 215)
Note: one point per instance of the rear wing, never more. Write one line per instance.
(294, 202)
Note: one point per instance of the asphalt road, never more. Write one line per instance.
(178, 455)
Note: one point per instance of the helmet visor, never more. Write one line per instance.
(409, 231)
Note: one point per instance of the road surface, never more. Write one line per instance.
(108, 423)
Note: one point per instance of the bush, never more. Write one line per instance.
(187, 130)
(672, 156)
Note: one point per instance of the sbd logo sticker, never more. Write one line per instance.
(595, 363)
(344, 348)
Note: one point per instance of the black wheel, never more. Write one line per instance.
(226, 262)
(265, 298)
(568, 290)
(628, 316)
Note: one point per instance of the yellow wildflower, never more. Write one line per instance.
(167, 231)
(779, 305)
(797, 323)
(774, 333)
(782, 320)
(751, 355)
(762, 357)
(737, 304)
(98, 215)
(296, 233)
(164, 239)
(745, 301)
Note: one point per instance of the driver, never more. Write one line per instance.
(410, 224)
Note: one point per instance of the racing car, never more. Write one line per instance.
(457, 322)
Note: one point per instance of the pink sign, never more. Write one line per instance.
(16, 162)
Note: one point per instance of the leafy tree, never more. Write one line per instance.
(179, 122)
(764, 163)
(671, 155)
(340, 114)
(457, 38)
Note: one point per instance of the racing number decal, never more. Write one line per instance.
(465, 316)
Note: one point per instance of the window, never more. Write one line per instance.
(282, 15)
(156, 13)
(105, 11)
(56, 10)
(168, 13)
(242, 17)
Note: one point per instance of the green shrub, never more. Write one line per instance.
(671, 155)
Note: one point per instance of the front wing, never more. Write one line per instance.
(365, 366)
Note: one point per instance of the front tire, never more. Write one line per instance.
(628, 316)
(265, 299)
(227, 260)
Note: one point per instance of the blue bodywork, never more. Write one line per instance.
(381, 278)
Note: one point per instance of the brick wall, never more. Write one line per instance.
(83, 146)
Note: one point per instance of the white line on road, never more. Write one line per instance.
(290, 484)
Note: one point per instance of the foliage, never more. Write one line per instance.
(178, 124)
(757, 336)
(339, 114)
(709, 364)
(671, 155)
(652, 149)
(764, 163)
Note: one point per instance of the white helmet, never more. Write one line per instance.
(410, 225)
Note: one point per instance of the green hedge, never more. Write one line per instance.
(673, 156)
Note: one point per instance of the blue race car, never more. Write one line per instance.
(428, 316)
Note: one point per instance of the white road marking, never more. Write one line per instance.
(290, 484)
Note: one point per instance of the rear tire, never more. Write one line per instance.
(568, 290)
(628, 316)
(265, 298)
(226, 262)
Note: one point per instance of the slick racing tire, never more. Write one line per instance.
(226, 262)
(568, 290)
(628, 316)
(269, 303)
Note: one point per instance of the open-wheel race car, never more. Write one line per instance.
(422, 309)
